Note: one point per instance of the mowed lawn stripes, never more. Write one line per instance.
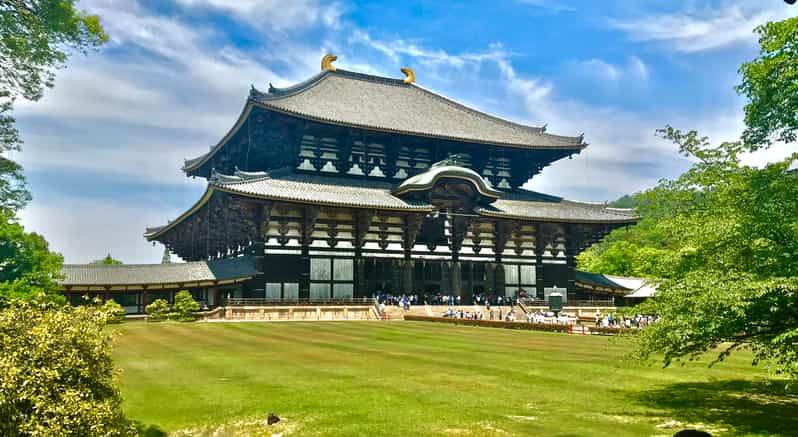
(403, 378)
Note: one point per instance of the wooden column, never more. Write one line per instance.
(501, 234)
(412, 224)
(308, 223)
(542, 238)
(361, 227)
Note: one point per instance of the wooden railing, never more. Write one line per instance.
(363, 301)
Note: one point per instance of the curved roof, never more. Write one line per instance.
(628, 286)
(390, 105)
(529, 205)
(426, 180)
(82, 275)
(286, 186)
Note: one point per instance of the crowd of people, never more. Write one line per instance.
(504, 308)
(404, 300)
(613, 320)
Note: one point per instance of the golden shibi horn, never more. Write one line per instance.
(326, 62)
(411, 76)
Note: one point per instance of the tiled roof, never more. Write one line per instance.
(632, 287)
(150, 274)
(597, 279)
(288, 186)
(529, 205)
(373, 102)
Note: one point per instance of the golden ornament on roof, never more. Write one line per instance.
(411, 76)
(326, 62)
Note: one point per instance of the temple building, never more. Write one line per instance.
(350, 184)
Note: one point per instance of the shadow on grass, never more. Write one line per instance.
(149, 430)
(758, 407)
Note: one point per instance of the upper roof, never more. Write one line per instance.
(384, 104)
(152, 274)
(387, 104)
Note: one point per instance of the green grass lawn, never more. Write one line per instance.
(418, 378)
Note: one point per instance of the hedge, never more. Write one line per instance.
(611, 330)
(550, 327)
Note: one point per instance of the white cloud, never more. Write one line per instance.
(277, 15)
(164, 90)
(84, 230)
(551, 5)
(707, 28)
(634, 69)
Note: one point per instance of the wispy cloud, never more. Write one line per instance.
(550, 5)
(276, 15)
(167, 86)
(633, 69)
(705, 28)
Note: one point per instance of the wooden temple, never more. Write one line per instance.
(348, 184)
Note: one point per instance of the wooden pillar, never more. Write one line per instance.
(498, 277)
(540, 247)
(455, 276)
(307, 224)
(570, 258)
(143, 300)
(361, 226)
(490, 278)
(407, 276)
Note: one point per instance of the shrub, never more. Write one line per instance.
(551, 327)
(114, 313)
(611, 330)
(157, 310)
(185, 307)
(57, 373)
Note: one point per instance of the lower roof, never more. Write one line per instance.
(76, 275)
(286, 185)
(629, 287)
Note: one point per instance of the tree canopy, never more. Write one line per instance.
(108, 261)
(27, 266)
(36, 37)
(722, 239)
(770, 82)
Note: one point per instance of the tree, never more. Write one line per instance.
(27, 267)
(729, 271)
(113, 312)
(185, 307)
(57, 373)
(107, 261)
(35, 39)
(157, 310)
(770, 82)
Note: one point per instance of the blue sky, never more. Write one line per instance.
(103, 148)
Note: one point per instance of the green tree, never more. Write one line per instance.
(57, 373)
(113, 312)
(729, 271)
(27, 267)
(185, 307)
(107, 261)
(157, 309)
(36, 37)
(770, 82)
